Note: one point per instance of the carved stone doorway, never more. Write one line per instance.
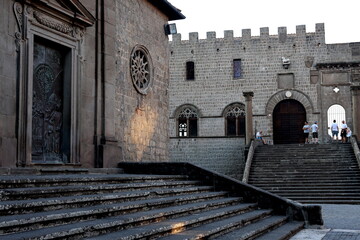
(51, 102)
(288, 119)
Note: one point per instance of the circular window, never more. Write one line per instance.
(141, 69)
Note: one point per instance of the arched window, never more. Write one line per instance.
(187, 122)
(235, 120)
(335, 112)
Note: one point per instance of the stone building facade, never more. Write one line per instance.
(84, 83)
(287, 78)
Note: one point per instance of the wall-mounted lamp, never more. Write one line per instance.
(170, 29)
(336, 89)
(285, 62)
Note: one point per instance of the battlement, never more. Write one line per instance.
(282, 36)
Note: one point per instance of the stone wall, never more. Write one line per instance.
(110, 120)
(263, 73)
(141, 124)
(223, 155)
(8, 85)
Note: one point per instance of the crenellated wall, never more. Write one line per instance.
(263, 72)
(282, 37)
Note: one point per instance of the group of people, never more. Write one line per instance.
(344, 134)
(314, 129)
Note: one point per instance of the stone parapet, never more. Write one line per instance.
(282, 35)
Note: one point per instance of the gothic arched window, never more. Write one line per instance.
(235, 120)
(187, 120)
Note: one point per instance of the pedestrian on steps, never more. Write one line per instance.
(335, 130)
(348, 134)
(306, 129)
(314, 130)
(259, 136)
(343, 131)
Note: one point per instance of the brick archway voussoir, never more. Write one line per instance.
(295, 95)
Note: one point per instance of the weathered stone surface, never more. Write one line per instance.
(309, 77)
(104, 105)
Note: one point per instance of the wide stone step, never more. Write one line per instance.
(254, 229)
(339, 193)
(26, 222)
(312, 171)
(325, 199)
(321, 175)
(329, 201)
(210, 225)
(48, 204)
(250, 225)
(304, 163)
(307, 167)
(111, 224)
(27, 181)
(294, 177)
(305, 182)
(312, 187)
(284, 232)
(58, 191)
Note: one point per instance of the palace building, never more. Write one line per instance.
(224, 90)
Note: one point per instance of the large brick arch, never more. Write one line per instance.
(295, 94)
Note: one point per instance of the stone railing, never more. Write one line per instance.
(354, 143)
(248, 162)
(310, 214)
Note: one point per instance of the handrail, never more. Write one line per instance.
(355, 146)
(249, 161)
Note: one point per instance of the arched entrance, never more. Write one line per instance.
(288, 119)
(335, 112)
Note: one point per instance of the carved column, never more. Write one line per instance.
(355, 90)
(249, 116)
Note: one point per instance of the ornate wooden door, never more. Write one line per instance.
(49, 143)
(288, 119)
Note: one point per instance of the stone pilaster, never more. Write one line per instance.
(355, 90)
(249, 116)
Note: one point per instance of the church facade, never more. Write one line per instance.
(84, 83)
(224, 90)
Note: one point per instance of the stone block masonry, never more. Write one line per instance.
(223, 155)
(263, 72)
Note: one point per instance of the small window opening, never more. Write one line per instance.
(237, 68)
(190, 71)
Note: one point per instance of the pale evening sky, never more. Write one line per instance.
(341, 18)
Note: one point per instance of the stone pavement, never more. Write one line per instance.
(341, 222)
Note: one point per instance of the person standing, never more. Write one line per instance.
(343, 131)
(306, 129)
(348, 134)
(314, 130)
(259, 136)
(335, 130)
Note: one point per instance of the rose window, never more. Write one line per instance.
(140, 69)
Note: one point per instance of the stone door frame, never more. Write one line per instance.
(35, 20)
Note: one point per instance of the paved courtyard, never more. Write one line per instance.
(341, 222)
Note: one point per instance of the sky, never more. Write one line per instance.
(341, 19)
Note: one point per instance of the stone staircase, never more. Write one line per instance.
(311, 173)
(135, 205)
